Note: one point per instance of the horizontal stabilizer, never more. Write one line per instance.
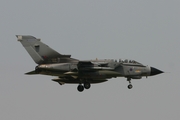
(31, 73)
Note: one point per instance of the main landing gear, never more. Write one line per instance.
(130, 86)
(81, 87)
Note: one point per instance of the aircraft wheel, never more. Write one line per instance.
(87, 85)
(130, 86)
(80, 88)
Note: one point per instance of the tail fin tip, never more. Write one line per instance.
(21, 37)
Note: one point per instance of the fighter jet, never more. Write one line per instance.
(82, 72)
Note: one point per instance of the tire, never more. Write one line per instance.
(130, 86)
(80, 88)
(87, 85)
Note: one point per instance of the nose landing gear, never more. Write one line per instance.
(130, 86)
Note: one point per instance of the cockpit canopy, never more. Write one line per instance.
(126, 61)
(122, 61)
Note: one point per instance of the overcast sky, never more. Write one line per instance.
(147, 31)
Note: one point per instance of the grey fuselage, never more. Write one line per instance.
(100, 69)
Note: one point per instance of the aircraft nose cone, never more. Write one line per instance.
(155, 71)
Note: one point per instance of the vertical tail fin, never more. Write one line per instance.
(40, 52)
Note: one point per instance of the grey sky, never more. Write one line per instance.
(147, 31)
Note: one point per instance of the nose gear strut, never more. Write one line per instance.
(130, 86)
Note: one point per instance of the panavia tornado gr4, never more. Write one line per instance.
(84, 73)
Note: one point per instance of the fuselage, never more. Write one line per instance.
(100, 69)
